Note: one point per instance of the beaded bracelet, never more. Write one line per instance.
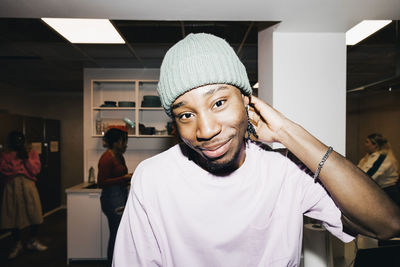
(316, 174)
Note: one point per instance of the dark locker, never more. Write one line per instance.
(46, 134)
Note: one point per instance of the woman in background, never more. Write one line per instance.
(381, 165)
(21, 205)
(113, 178)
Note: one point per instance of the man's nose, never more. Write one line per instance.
(207, 127)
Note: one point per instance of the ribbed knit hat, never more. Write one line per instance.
(197, 60)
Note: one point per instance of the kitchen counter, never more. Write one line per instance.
(84, 187)
(87, 227)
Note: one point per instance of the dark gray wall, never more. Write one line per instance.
(368, 113)
(66, 107)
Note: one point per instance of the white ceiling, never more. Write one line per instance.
(296, 15)
(51, 63)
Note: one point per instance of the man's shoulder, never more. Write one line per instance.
(164, 155)
(157, 171)
(161, 161)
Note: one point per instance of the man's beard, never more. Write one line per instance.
(224, 168)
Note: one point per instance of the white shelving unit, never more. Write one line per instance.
(103, 84)
(117, 84)
(116, 90)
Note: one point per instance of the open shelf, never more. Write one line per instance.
(152, 118)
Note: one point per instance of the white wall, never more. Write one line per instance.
(265, 61)
(308, 81)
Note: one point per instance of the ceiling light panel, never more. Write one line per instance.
(86, 31)
(364, 29)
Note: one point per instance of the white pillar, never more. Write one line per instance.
(303, 75)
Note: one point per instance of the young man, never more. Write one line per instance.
(219, 199)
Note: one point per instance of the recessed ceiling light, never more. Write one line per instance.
(86, 31)
(364, 29)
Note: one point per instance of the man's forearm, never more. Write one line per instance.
(358, 197)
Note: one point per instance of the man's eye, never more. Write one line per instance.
(185, 116)
(219, 103)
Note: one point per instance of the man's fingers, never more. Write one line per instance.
(254, 117)
(260, 106)
(256, 103)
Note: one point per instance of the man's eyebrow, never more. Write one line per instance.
(209, 92)
(177, 105)
(215, 89)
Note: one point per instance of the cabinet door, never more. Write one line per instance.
(45, 133)
(105, 234)
(84, 226)
(51, 181)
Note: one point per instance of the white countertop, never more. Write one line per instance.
(81, 188)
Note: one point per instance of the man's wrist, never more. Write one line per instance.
(284, 134)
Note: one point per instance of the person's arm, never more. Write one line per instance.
(359, 198)
(118, 180)
(106, 171)
(32, 163)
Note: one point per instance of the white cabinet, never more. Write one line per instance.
(87, 227)
(113, 100)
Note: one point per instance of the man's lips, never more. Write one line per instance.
(216, 151)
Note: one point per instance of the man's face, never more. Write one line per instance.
(212, 120)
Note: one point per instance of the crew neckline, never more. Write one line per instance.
(240, 173)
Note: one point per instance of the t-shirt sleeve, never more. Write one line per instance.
(32, 164)
(136, 244)
(6, 168)
(317, 204)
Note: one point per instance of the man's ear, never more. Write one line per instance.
(246, 100)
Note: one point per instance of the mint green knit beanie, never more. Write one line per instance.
(197, 60)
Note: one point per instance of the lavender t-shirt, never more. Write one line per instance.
(180, 215)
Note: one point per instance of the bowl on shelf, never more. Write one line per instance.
(126, 104)
(151, 101)
(109, 104)
(147, 130)
(151, 97)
